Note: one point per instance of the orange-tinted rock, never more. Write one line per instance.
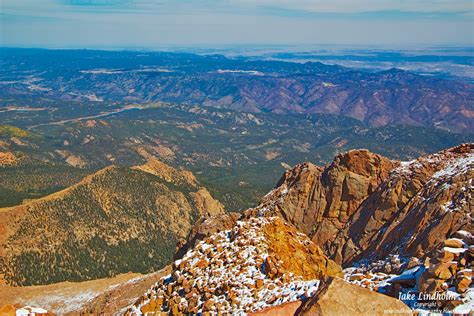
(280, 310)
(338, 297)
(291, 267)
(444, 256)
(356, 277)
(444, 270)
(319, 201)
(463, 284)
(152, 306)
(454, 243)
(293, 256)
(208, 305)
(8, 310)
(364, 204)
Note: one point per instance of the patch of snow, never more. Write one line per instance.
(467, 307)
(454, 250)
(407, 166)
(30, 311)
(464, 233)
(456, 166)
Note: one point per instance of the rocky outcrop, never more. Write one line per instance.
(366, 206)
(320, 201)
(421, 204)
(451, 267)
(205, 227)
(337, 297)
(447, 276)
(260, 262)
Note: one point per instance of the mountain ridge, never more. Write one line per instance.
(84, 231)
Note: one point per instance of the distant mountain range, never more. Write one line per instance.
(382, 98)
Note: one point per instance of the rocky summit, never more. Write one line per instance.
(365, 206)
(321, 201)
(395, 226)
(260, 262)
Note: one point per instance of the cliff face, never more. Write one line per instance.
(365, 206)
(321, 201)
(421, 203)
(114, 221)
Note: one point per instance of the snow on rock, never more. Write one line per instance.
(447, 274)
(454, 250)
(374, 275)
(445, 164)
(467, 305)
(464, 234)
(230, 272)
(456, 166)
(30, 311)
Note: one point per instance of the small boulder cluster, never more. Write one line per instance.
(451, 268)
(230, 272)
(449, 271)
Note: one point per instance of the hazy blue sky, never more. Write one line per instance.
(148, 23)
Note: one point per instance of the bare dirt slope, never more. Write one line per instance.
(100, 296)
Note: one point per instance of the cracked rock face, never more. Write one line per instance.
(364, 206)
(321, 201)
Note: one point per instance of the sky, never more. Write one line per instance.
(215, 23)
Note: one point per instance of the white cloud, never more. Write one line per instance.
(352, 6)
(314, 6)
(149, 22)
